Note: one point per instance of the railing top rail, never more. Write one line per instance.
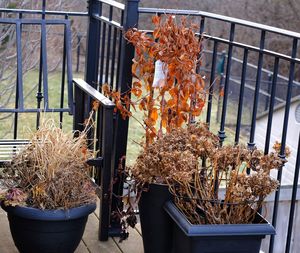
(60, 13)
(113, 4)
(34, 21)
(237, 21)
(246, 46)
(105, 101)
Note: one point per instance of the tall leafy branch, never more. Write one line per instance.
(180, 94)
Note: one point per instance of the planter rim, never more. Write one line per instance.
(50, 215)
(217, 230)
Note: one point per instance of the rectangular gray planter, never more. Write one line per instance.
(227, 238)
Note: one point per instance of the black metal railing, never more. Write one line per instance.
(21, 19)
(42, 87)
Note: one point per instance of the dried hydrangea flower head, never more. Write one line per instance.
(231, 187)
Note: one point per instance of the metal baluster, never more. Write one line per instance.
(79, 37)
(63, 78)
(211, 83)
(19, 103)
(271, 106)
(100, 59)
(119, 52)
(45, 65)
(221, 132)
(241, 97)
(102, 53)
(39, 94)
(283, 139)
(251, 143)
(69, 67)
(113, 60)
(269, 86)
(108, 46)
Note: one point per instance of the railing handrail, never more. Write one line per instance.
(237, 21)
(61, 13)
(246, 46)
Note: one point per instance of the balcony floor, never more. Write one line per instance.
(89, 242)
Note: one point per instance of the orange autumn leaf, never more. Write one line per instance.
(149, 122)
(156, 20)
(136, 91)
(156, 33)
(221, 93)
(105, 89)
(185, 106)
(154, 114)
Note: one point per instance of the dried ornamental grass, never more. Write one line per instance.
(51, 171)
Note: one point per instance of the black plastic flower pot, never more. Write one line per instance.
(227, 238)
(155, 223)
(47, 231)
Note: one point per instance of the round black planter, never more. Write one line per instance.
(47, 231)
(155, 223)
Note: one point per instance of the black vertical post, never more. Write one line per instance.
(130, 20)
(106, 173)
(91, 64)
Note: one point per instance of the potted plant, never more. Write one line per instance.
(49, 193)
(170, 92)
(216, 208)
(217, 191)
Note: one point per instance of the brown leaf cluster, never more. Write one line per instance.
(181, 94)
